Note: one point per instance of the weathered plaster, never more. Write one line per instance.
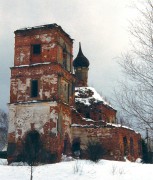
(22, 116)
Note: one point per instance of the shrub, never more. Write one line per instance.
(48, 157)
(95, 151)
(3, 154)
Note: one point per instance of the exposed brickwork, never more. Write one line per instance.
(48, 112)
(90, 106)
(43, 56)
(111, 139)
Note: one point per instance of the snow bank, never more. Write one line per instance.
(80, 169)
(3, 161)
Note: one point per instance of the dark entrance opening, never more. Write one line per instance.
(32, 147)
(76, 147)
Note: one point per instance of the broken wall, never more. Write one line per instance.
(111, 140)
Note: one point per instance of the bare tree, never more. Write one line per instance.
(136, 97)
(3, 129)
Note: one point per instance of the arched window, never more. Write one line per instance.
(139, 147)
(131, 147)
(125, 146)
(64, 57)
(32, 146)
(76, 147)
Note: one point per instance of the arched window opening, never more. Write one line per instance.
(140, 147)
(131, 147)
(76, 147)
(32, 147)
(64, 57)
(125, 146)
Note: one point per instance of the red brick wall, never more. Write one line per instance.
(50, 40)
(108, 114)
(111, 139)
(97, 112)
(48, 78)
(49, 113)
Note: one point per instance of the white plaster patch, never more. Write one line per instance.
(54, 130)
(66, 118)
(21, 117)
(12, 113)
(47, 94)
(54, 115)
(52, 90)
(40, 93)
(22, 57)
(28, 82)
(45, 37)
(53, 103)
(14, 88)
(48, 47)
(36, 36)
(19, 122)
(48, 39)
(50, 78)
(21, 87)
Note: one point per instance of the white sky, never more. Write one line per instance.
(100, 25)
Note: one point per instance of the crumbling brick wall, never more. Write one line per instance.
(43, 59)
(111, 139)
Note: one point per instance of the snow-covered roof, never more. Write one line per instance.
(45, 26)
(88, 95)
(107, 125)
(119, 125)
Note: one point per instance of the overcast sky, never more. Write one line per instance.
(100, 25)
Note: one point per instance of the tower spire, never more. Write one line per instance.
(80, 60)
(80, 53)
(81, 64)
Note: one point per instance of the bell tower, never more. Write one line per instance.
(41, 89)
(81, 64)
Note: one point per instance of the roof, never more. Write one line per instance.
(88, 95)
(80, 60)
(46, 26)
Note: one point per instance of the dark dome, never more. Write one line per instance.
(80, 60)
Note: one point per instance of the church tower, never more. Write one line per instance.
(41, 89)
(81, 65)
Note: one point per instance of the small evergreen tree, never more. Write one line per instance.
(145, 153)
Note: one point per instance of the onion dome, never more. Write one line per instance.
(80, 60)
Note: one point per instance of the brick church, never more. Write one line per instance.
(48, 98)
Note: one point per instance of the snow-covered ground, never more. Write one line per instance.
(79, 170)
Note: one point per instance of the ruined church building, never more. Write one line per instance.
(47, 97)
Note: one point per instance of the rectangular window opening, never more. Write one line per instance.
(34, 88)
(36, 49)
